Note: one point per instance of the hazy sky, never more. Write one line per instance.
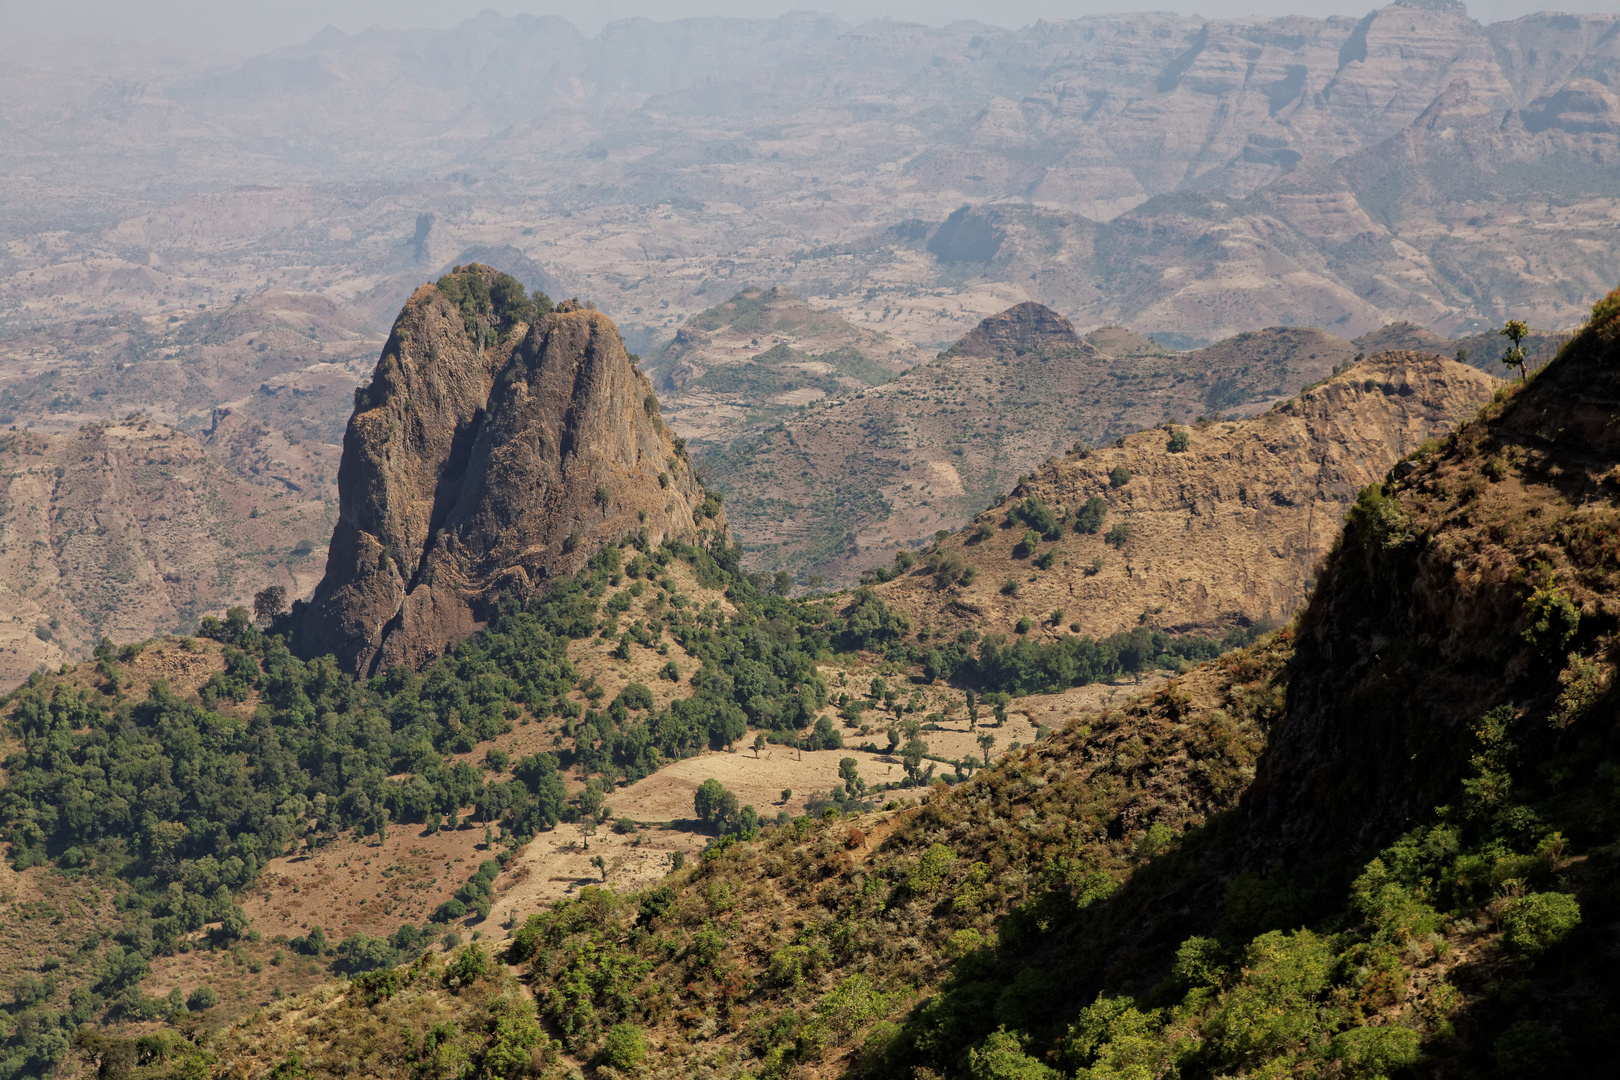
(249, 26)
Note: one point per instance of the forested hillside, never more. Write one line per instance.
(165, 804)
(1309, 857)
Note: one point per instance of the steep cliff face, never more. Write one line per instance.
(1483, 574)
(496, 447)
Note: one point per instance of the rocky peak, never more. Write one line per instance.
(498, 445)
(1023, 328)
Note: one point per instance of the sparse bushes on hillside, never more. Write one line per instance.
(1038, 516)
(1089, 518)
(949, 567)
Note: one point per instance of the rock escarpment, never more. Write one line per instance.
(498, 445)
(1199, 536)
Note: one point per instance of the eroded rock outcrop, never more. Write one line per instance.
(1223, 529)
(1023, 328)
(498, 446)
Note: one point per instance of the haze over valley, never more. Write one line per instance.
(785, 547)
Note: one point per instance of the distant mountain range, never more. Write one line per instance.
(1178, 175)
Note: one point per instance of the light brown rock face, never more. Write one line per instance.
(1228, 531)
(471, 470)
(835, 489)
(128, 530)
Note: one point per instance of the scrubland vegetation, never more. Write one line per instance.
(1213, 880)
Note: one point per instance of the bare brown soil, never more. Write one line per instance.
(361, 885)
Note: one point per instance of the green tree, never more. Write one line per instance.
(986, 741)
(726, 813)
(1515, 330)
(269, 604)
(1089, 518)
(1002, 1057)
(624, 1048)
(1119, 476)
(848, 772)
(706, 800)
(911, 755)
(1535, 923)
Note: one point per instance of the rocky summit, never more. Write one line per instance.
(1023, 328)
(499, 444)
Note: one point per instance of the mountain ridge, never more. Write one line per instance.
(821, 492)
(1217, 526)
